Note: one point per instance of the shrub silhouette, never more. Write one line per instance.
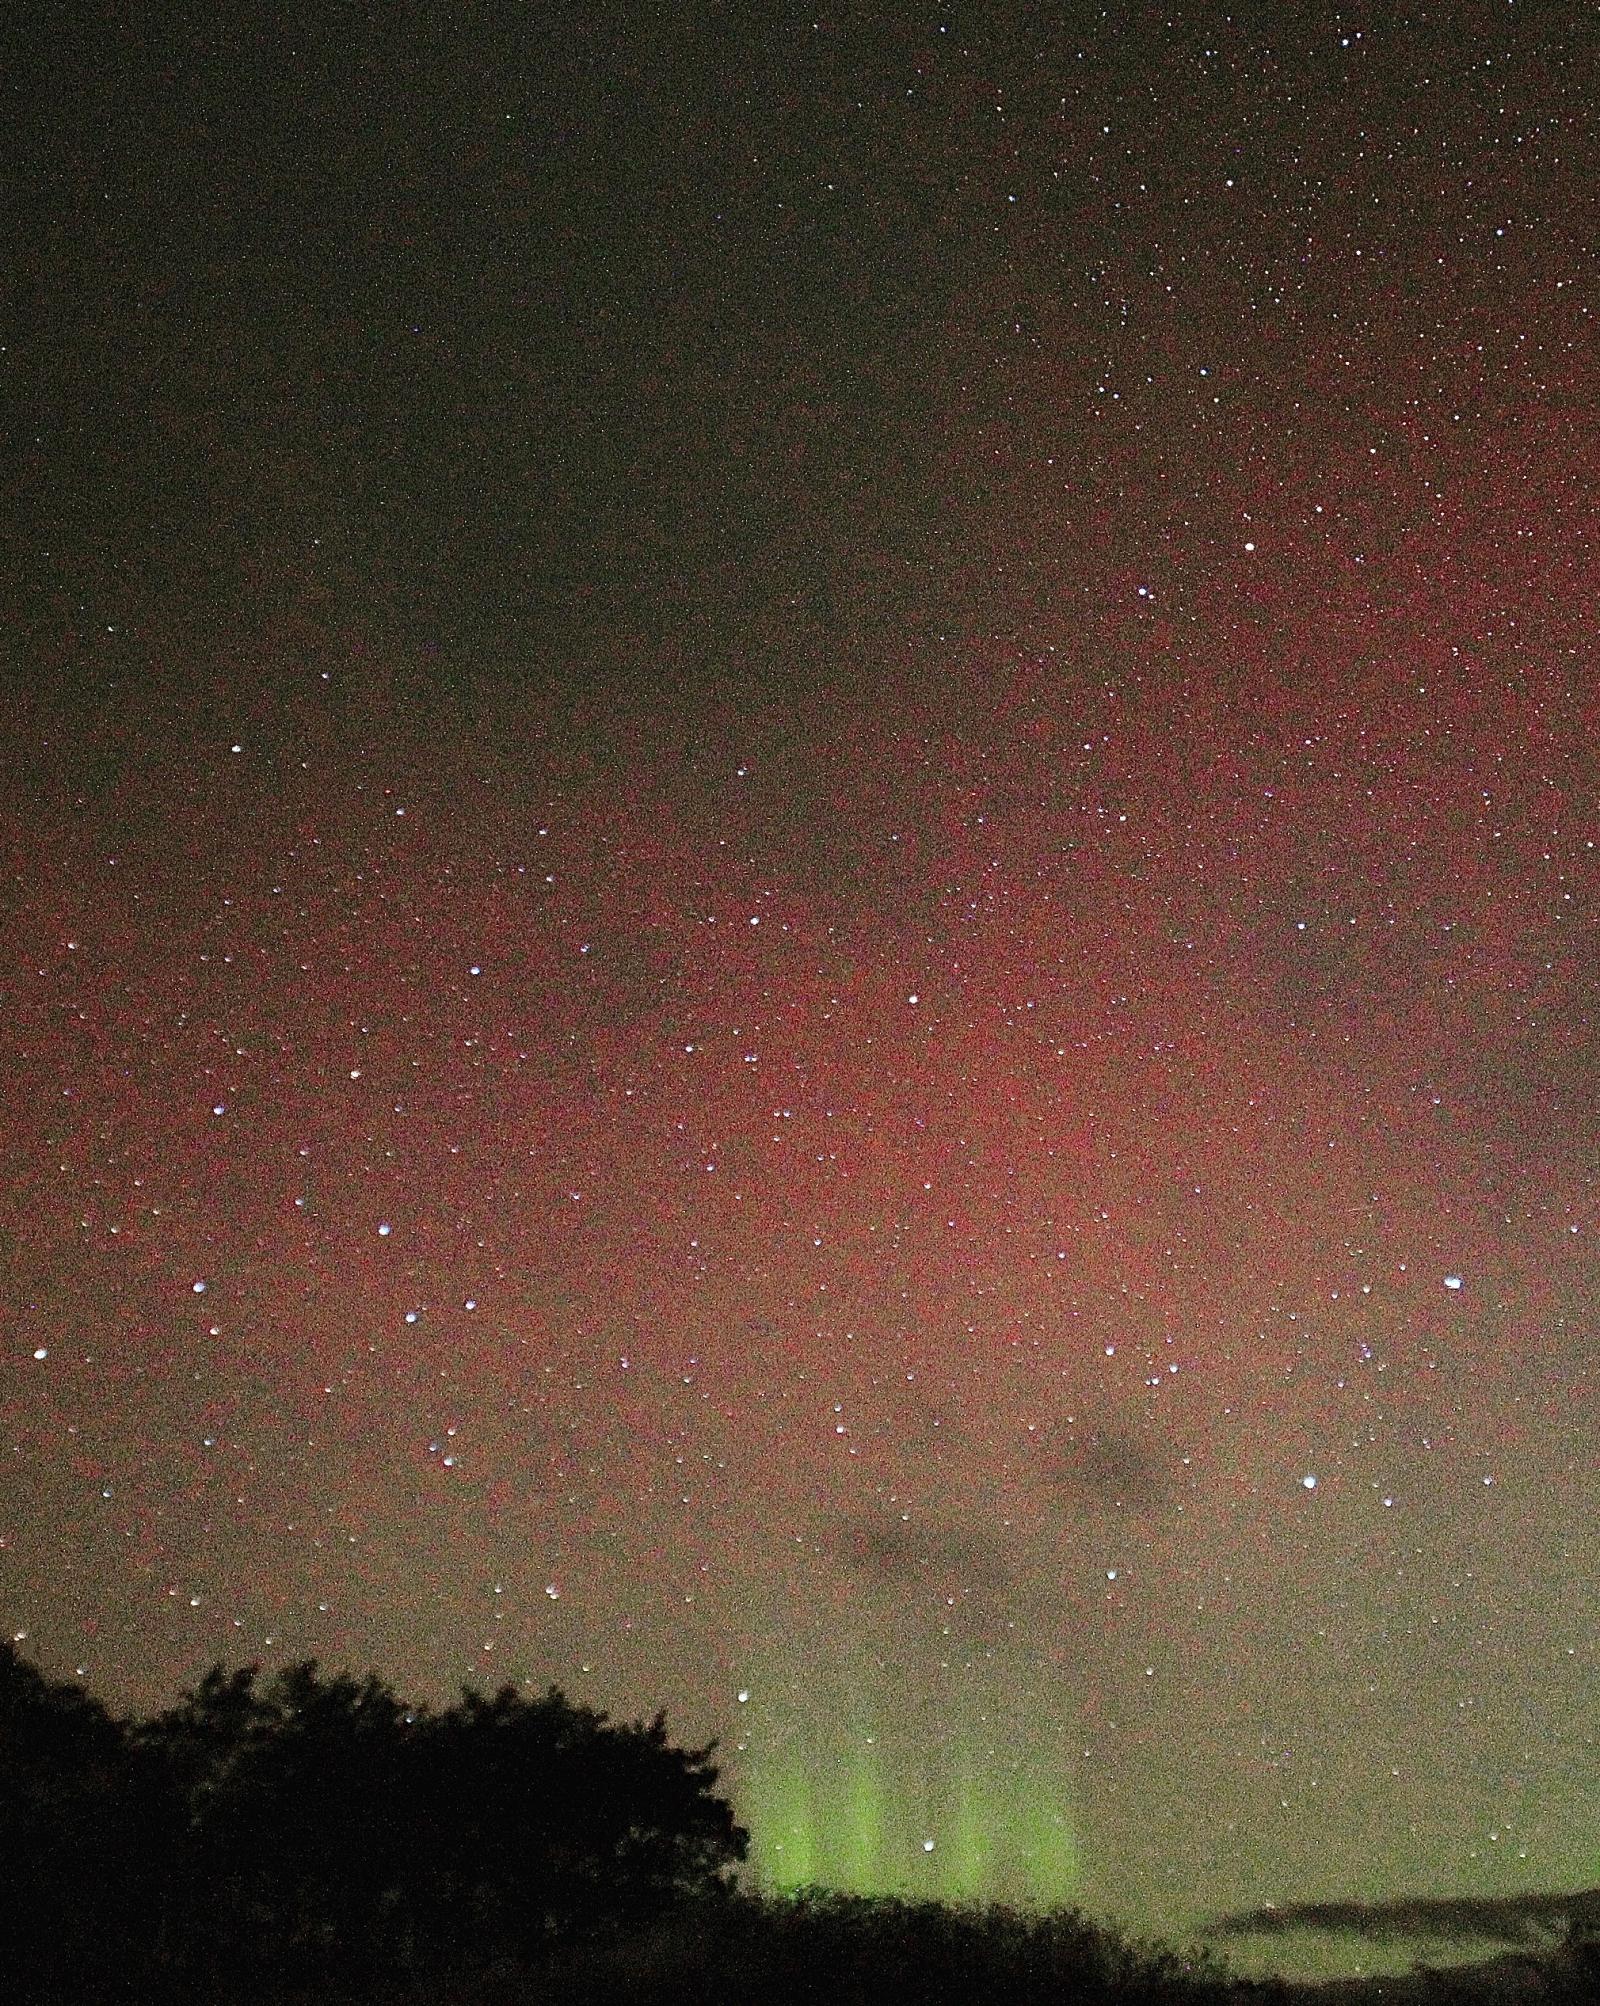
(819, 1948)
(542, 1821)
(290, 1813)
(75, 1872)
(320, 1822)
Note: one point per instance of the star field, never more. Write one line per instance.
(801, 849)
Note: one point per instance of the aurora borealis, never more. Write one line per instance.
(801, 825)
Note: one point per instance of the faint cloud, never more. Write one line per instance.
(1510, 1919)
(935, 1574)
(1101, 1466)
(892, 1550)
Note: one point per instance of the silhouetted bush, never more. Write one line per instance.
(823, 1949)
(319, 1828)
(294, 1816)
(540, 1821)
(76, 1875)
(327, 1826)
(1578, 1968)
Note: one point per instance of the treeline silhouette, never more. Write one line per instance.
(307, 1836)
(309, 1825)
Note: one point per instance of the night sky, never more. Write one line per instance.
(800, 887)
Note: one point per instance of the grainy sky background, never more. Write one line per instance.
(801, 860)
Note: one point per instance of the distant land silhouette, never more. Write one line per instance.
(1530, 1919)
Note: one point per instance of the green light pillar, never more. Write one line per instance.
(861, 1834)
(1047, 1852)
(784, 1827)
(967, 1874)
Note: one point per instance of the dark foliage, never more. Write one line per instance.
(74, 1870)
(318, 1827)
(1580, 1967)
(824, 1949)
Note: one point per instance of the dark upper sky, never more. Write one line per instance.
(725, 324)
(801, 826)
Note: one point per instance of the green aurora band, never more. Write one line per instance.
(951, 1826)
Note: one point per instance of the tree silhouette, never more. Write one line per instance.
(319, 1821)
(75, 1875)
(292, 1815)
(543, 1820)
